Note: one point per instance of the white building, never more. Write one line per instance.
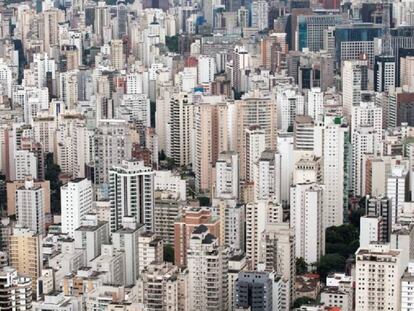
(227, 175)
(354, 80)
(260, 14)
(255, 145)
(150, 250)
(306, 210)
(397, 187)
(131, 193)
(126, 239)
(378, 269)
(167, 181)
(267, 176)
(291, 103)
(370, 230)
(25, 164)
(91, 235)
(407, 288)
(76, 198)
(206, 68)
(15, 289)
(315, 104)
(207, 264)
(30, 201)
(112, 263)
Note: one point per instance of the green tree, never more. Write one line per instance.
(330, 263)
(204, 201)
(172, 43)
(301, 266)
(52, 172)
(168, 253)
(303, 301)
(342, 240)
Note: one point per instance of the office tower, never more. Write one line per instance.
(122, 19)
(131, 187)
(190, 219)
(255, 145)
(25, 164)
(306, 201)
(407, 292)
(337, 163)
(315, 104)
(112, 145)
(111, 263)
(258, 214)
(76, 198)
(30, 200)
(91, 235)
(15, 289)
(380, 207)
(354, 80)
(291, 103)
(207, 264)
(117, 54)
(102, 20)
(364, 141)
(159, 287)
(254, 289)
(304, 133)
(386, 263)
(227, 175)
(397, 189)
(206, 69)
(260, 14)
(241, 61)
(253, 109)
(126, 239)
(26, 253)
(277, 253)
(210, 135)
(179, 126)
(384, 73)
(311, 29)
(267, 176)
(150, 249)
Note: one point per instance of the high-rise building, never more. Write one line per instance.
(386, 281)
(227, 175)
(384, 73)
(260, 14)
(91, 235)
(206, 69)
(406, 71)
(291, 103)
(207, 264)
(131, 193)
(184, 226)
(25, 164)
(306, 201)
(267, 176)
(126, 239)
(179, 133)
(150, 249)
(354, 80)
(407, 292)
(397, 191)
(254, 289)
(30, 200)
(117, 54)
(255, 145)
(380, 207)
(76, 198)
(315, 104)
(112, 145)
(241, 61)
(15, 289)
(26, 253)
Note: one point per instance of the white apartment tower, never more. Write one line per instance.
(315, 104)
(76, 198)
(207, 264)
(131, 193)
(378, 270)
(397, 187)
(227, 175)
(206, 69)
(306, 209)
(267, 176)
(255, 145)
(30, 201)
(354, 80)
(260, 14)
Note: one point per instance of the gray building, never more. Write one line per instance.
(254, 290)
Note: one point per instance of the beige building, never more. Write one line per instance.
(378, 274)
(26, 253)
(117, 54)
(51, 20)
(407, 72)
(11, 194)
(210, 133)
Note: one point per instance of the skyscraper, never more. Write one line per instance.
(131, 193)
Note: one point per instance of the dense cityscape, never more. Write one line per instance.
(214, 155)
